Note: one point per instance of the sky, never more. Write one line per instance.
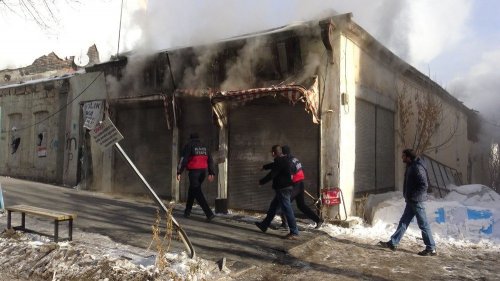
(455, 42)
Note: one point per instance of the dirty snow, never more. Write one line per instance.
(91, 257)
(468, 217)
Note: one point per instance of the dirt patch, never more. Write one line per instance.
(327, 258)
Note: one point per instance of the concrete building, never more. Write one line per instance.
(328, 89)
(36, 141)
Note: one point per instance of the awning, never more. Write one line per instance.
(294, 93)
(222, 100)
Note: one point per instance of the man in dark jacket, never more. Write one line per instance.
(415, 193)
(282, 185)
(196, 158)
(297, 193)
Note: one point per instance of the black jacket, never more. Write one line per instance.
(280, 173)
(196, 156)
(415, 185)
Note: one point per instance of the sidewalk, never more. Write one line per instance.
(128, 221)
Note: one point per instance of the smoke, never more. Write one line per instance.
(416, 31)
(241, 73)
(480, 87)
(131, 80)
(196, 77)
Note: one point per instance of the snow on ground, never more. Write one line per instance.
(468, 217)
(91, 257)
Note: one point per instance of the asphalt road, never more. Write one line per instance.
(129, 221)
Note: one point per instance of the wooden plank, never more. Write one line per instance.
(41, 212)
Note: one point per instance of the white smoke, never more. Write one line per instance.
(417, 31)
(480, 87)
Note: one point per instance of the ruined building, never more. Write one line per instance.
(342, 101)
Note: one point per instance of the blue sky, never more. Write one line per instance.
(456, 42)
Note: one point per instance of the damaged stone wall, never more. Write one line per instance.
(30, 140)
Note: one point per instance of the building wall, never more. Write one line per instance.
(96, 173)
(349, 58)
(364, 78)
(33, 110)
(450, 145)
(366, 75)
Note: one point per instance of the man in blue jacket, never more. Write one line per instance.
(415, 193)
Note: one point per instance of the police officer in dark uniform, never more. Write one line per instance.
(196, 158)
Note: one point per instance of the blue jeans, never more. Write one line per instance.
(282, 200)
(413, 209)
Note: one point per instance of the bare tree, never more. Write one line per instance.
(426, 107)
(43, 12)
(494, 166)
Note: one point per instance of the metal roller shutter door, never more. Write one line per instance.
(148, 143)
(375, 167)
(385, 150)
(253, 129)
(364, 180)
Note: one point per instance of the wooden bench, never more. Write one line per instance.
(44, 213)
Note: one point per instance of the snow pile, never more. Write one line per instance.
(31, 257)
(468, 213)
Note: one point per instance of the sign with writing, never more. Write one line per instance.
(92, 113)
(106, 134)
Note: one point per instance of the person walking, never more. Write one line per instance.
(298, 187)
(282, 184)
(196, 158)
(415, 193)
(298, 177)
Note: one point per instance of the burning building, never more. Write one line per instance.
(343, 102)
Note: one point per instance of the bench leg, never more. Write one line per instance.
(23, 220)
(56, 230)
(9, 219)
(70, 230)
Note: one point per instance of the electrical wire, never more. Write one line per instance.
(60, 109)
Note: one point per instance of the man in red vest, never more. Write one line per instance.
(196, 158)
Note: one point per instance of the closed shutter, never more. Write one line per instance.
(148, 143)
(196, 117)
(385, 166)
(375, 167)
(365, 147)
(253, 129)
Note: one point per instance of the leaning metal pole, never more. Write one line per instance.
(158, 201)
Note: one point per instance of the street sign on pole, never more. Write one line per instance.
(106, 134)
(154, 196)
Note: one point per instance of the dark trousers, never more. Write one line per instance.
(196, 178)
(298, 195)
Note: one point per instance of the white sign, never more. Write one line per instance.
(92, 113)
(106, 134)
(2, 206)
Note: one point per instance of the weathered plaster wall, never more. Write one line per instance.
(32, 109)
(349, 66)
(85, 87)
